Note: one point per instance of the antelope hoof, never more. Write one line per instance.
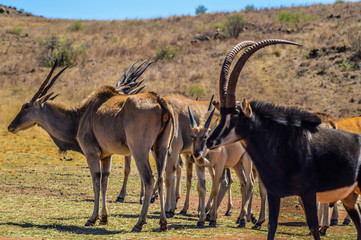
(136, 229)
(169, 214)
(103, 220)
(90, 223)
(238, 221)
(141, 202)
(163, 226)
(119, 199)
(152, 200)
(228, 213)
(208, 217)
(200, 224)
(253, 219)
(242, 224)
(257, 226)
(333, 222)
(183, 212)
(346, 222)
(212, 224)
(323, 230)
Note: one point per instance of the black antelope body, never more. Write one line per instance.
(290, 150)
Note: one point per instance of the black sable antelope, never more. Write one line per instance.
(290, 150)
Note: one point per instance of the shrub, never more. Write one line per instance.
(293, 18)
(166, 52)
(345, 65)
(62, 50)
(201, 9)
(234, 25)
(196, 90)
(354, 40)
(339, 1)
(76, 26)
(249, 8)
(16, 31)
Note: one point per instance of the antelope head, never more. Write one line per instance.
(234, 117)
(30, 112)
(200, 134)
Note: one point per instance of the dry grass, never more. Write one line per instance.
(283, 75)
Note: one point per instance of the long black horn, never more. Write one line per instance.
(225, 68)
(208, 122)
(210, 103)
(231, 88)
(193, 122)
(40, 90)
(52, 82)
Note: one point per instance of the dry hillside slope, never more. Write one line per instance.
(323, 75)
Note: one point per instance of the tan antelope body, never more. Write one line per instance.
(228, 156)
(108, 123)
(182, 144)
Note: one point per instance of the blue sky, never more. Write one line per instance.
(139, 9)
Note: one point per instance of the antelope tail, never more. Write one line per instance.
(168, 121)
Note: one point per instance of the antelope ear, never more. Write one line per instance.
(246, 108)
(217, 104)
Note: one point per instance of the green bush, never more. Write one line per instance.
(234, 25)
(293, 18)
(339, 1)
(249, 8)
(166, 52)
(196, 90)
(346, 65)
(16, 31)
(62, 50)
(76, 26)
(201, 9)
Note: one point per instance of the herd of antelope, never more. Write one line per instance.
(291, 151)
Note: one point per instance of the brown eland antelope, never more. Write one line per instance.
(107, 123)
(229, 156)
(290, 150)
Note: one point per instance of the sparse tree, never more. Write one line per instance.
(201, 9)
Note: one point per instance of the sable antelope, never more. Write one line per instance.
(290, 150)
(107, 123)
(229, 156)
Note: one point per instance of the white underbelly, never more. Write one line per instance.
(335, 195)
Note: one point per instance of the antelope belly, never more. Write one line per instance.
(335, 195)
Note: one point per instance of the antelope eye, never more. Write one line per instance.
(26, 106)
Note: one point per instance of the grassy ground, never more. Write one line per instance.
(43, 196)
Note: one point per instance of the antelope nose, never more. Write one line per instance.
(11, 128)
(197, 155)
(210, 144)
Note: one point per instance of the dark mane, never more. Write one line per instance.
(287, 116)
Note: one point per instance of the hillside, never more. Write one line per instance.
(323, 75)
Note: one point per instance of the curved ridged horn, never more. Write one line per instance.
(225, 68)
(193, 122)
(208, 122)
(230, 96)
(52, 82)
(210, 103)
(121, 81)
(45, 82)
